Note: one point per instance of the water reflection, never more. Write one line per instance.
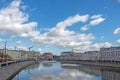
(62, 75)
(56, 71)
(110, 74)
(47, 64)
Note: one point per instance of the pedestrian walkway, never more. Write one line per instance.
(8, 72)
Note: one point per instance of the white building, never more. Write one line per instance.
(110, 54)
(65, 55)
(90, 56)
(77, 56)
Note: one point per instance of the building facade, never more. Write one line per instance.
(65, 56)
(48, 56)
(19, 54)
(110, 54)
(91, 56)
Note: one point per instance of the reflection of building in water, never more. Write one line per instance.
(90, 70)
(110, 75)
(86, 69)
(47, 64)
(69, 67)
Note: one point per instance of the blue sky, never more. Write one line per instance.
(60, 25)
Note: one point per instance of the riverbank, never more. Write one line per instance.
(95, 63)
(8, 72)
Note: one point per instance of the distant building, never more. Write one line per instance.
(110, 54)
(4, 56)
(48, 56)
(55, 57)
(90, 56)
(87, 56)
(65, 55)
(36, 55)
(19, 54)
(1, 55)
(77, 56)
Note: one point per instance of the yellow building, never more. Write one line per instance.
(48, 56)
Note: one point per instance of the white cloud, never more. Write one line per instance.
(119, 1)
(20, 45)
(117, 31)
(14, 21)
(72, 20)
(63, 37)
(60, 29)
(96, 16)
(84, 28)
(97, 46)
(97, 21)
(1, 40)
(118, 40)
(39, 50)
(59, 33)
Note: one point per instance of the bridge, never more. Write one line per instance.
(9, 69)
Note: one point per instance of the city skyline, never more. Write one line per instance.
(59, 25)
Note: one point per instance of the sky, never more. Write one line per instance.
(59, 25)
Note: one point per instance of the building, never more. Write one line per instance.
(48, 56)
(66, 55)
(5, 56)
(19, 54)
(1, 56)
(110, 74)
(91, 56)
(36, 56)
(110, 54)
(75, 56)
(56, 57)
(86, 56)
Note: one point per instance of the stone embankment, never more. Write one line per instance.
(9, 71)
(95, 63)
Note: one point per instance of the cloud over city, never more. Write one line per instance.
(14, 21)
(95, 20)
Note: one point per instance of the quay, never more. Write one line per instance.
(9, 69)
(95, 63)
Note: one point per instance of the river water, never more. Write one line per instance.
(52, 70)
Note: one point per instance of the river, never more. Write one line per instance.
(52, 70)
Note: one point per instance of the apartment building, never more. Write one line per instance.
(110, 54)
(90, 56)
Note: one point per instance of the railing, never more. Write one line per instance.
(7, 63)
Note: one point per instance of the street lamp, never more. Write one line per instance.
(29, 50)
(15, 48)
(5, 49)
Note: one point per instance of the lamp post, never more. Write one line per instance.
(15, 48)
(29, 50)
(5, 42)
